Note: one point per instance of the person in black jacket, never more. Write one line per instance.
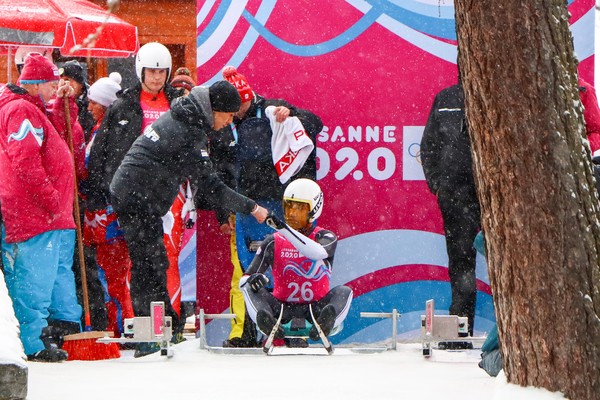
(171, 151)
(447, 163)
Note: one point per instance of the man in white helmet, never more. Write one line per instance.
(135, 108)
(300, 257)
(125, 120)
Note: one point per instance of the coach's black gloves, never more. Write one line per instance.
(257, 281)
(274, 222)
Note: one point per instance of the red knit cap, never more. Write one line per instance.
(240, 82)
(38, 69)
(183, 81)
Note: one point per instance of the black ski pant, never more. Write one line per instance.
(462, 221)
(149, 263)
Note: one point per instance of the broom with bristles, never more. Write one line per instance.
(83, 346)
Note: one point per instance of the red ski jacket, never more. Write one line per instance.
(36, 168)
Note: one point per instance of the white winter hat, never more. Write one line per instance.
(104, 90)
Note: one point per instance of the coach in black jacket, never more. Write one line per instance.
(146, 183)
(447, 163)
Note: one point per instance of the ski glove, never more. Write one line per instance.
(257, 281)
(274, 222)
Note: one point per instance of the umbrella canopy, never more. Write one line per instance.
(63, 24)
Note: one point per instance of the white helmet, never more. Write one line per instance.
(306, 191)
(152, 55)
(23, 51)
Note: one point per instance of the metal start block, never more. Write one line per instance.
(157, 327)
(445, 326)
(437, 328)
(142, 329)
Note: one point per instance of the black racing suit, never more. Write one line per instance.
(447, 163)
(267, 257)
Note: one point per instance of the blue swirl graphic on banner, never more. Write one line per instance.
(430, 27)
(434, 26)
(214, 22)
(435, 21)
(315, 49)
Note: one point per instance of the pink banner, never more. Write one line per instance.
(370, 70)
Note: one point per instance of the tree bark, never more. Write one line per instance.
(540, 211)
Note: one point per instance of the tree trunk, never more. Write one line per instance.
(540, 211)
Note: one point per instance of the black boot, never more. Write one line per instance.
(52, 337)
(248, 338)
(326, 320)
(455, 345)
(48, 355)
(266, 322)
(144, 349)
(239, 343)
(67, 327)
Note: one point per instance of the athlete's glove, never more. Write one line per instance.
(274, 222)
(257, 281)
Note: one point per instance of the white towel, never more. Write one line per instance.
(290, 145)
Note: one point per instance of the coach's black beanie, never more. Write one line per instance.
(224, 97)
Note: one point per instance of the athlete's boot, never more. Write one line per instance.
(326, 320)
(266, 322)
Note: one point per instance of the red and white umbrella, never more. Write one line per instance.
(65, 24)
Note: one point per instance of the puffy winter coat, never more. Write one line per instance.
(121, 126)
(446, 147)
(36, 167)
(172, 151)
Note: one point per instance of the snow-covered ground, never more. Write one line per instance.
(193, 373)
(197, 373)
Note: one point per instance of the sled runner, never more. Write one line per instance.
(295, 332)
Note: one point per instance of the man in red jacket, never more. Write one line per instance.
(36, 194)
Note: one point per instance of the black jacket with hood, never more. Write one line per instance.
(173, 150)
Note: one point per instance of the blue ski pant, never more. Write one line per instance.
(40, 282)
